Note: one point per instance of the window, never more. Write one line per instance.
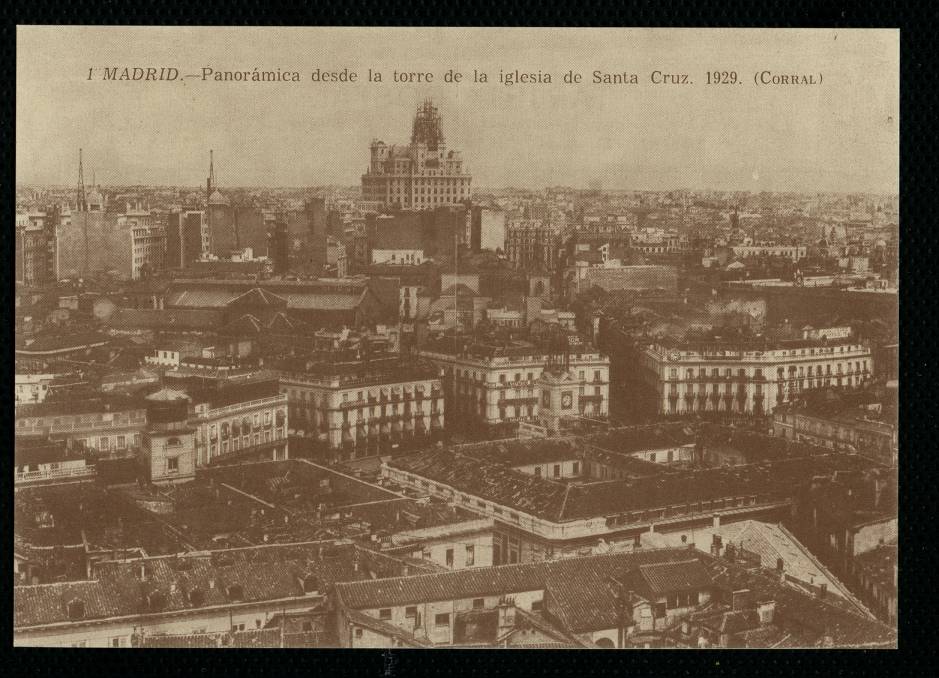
(410, 612)
(358, 633)
(172, 464)
(384, 614)
(470, 555)
(442, 619)
(557, 470)
(121, 442)
(537, 605)
(576, 468)
(449, 557)
(117, 642)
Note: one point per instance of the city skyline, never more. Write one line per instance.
(638, 137)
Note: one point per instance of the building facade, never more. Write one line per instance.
(35, 247)
(421, 175)
(361, 415)
(106, 426)
(532, 244)
(735, 378)
(492, 389)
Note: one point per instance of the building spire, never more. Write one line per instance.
(81, 204)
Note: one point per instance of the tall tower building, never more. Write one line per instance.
(421, 175)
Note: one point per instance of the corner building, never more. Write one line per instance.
(749, 379)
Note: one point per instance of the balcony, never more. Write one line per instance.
(56, 474)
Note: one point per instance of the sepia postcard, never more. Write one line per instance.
(456, 338)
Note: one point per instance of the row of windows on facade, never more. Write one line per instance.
(236, 428)
(530, 376)
(104, 442)
(859, 366)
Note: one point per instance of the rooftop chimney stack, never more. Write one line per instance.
(716, 545)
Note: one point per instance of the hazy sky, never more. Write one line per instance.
(840, 136)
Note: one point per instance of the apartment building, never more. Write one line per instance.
(492, 384)
(746, 377)
(363, 409)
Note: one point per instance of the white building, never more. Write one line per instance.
(745, 379)
(418, 176)
(495, 389)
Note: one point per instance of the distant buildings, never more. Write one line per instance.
(792, 252)
(187, 237)
(421, 175)
(35, 256)
(609, 278)
(533, 244)
(129, 244)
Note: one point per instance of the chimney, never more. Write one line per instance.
(716, 545)
(717, 520)
(506, 610)
(740, 600)
(211, 583)
(767, 611)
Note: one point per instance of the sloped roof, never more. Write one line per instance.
(258, 297)
(246, 324)
(660, 579)
(500, 579)
(261, 573)
(176, 318)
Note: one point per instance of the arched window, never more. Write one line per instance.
(225, 431)
(605, 643)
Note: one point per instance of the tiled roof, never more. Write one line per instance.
(501, 579)
(176, 318)
(809, 616)
(547, 499)
(324, 302)
(61, 340)
(639, 438)
(260, 574)
(664, 578)
(242, 326)
(258, 297)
